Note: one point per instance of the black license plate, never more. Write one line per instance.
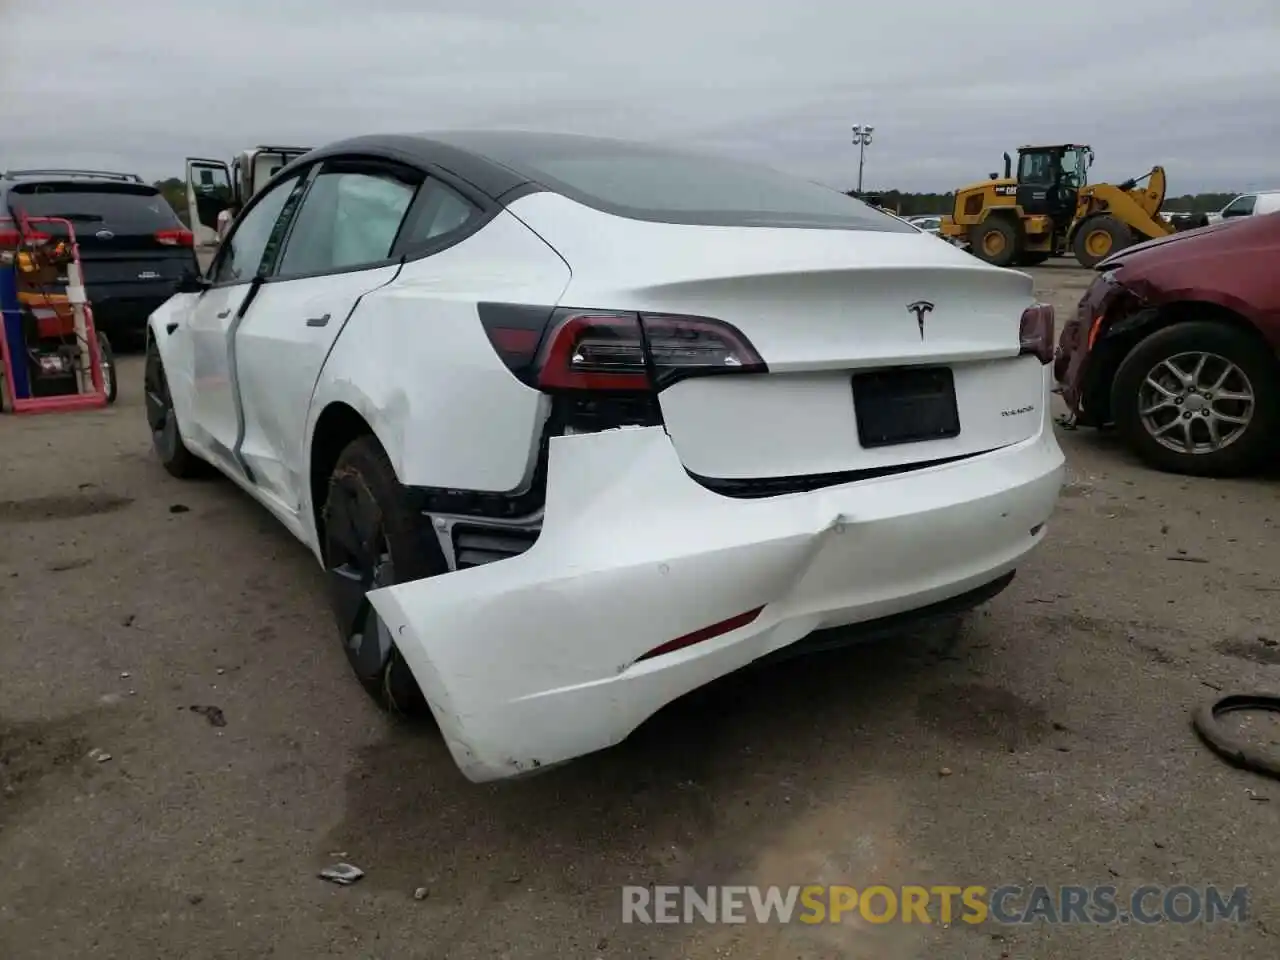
(906, 405)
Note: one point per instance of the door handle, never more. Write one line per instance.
(318, 321)
(224, 314)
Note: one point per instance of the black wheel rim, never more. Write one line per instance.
(359, 560)
(159, 403)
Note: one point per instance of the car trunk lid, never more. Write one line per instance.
(884, 350)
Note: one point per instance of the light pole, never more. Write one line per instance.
(862, 137)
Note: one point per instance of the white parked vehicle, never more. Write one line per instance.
(576, 426)
(1249, 205)
(927, 224)
(216, 191)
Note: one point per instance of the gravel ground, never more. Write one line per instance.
(1060, 711)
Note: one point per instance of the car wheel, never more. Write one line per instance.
(1099, 237)
(995, 240)
(373, 537)
(107, 363)
(166, 437)
(1198, 398)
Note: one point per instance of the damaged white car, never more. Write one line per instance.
(576, 426)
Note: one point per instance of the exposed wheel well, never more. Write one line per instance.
(1121, 337)
(338, 426)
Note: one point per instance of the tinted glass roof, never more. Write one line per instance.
(668, 184)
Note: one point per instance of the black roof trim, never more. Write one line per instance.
(1053, 146)
(423, 152)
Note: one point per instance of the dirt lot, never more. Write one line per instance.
(1060, 711)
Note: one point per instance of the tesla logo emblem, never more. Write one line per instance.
(105, 235)
(920, 308)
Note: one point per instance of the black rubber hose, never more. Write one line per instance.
(1230, 747)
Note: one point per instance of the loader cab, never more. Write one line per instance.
(1050, 179)
(214, 186)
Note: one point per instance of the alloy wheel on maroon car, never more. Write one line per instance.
(1199, 397)
(1196, 402)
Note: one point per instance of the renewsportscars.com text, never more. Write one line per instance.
(1006, 904)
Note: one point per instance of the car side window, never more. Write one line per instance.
(243, 251)
(348, 219)
(440, 211)
(1240, 207)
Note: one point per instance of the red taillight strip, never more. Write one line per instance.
(177, 237)
(705, 633)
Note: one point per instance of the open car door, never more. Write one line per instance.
(209, 192)
(266, 161)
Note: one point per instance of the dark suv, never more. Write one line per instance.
(133, 248)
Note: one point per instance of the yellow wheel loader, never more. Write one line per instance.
(1050, 209)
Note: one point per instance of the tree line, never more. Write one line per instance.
(175, 191)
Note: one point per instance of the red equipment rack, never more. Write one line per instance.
(19, 236)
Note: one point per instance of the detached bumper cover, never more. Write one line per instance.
(535, 660)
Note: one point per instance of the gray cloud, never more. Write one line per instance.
(949, 86)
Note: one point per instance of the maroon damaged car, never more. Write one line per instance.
(1177, 345)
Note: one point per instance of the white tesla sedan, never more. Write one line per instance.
(576, 426)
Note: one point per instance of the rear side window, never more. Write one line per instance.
(440, 212)
(124, 208)
(649, 183)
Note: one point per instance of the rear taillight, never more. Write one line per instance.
(1035, 333)
(177, 237)
(593, 351)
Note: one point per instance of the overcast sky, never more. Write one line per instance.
(140, 84)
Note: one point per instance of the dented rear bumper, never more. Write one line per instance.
(538, 659)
